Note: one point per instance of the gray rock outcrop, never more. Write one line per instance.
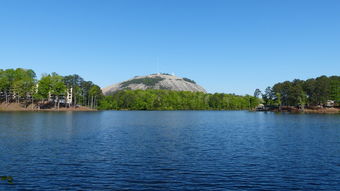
(156, 81)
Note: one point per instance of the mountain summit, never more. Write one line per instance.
(156, 81)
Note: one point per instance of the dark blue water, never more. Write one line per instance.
(169, 150)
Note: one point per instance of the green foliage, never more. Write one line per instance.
(16, 84)
(9, 179)
(79, 91)
(146, 81)
(44, 86)
(189, 80)
(51, 84)
(21, 85)
(96, 94)
(268, 96)
(95, 91)
(72, 81)
(175, 100)
(257, 93)
(334, 91)
(299, 93)
(277, 100)
(58, 88)
(166, 74)
(24, 81)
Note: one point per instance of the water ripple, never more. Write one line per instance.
(179, 150)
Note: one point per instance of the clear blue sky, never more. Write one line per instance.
(231, 46)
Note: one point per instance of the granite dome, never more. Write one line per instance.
(156, 81)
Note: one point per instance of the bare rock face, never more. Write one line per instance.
(156, 81)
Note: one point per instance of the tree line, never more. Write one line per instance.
(51, 90)
(311, 92)
(151, 99)
(22, 86)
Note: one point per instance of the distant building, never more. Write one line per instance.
(69, 96)
(260, 107)
(330, 103)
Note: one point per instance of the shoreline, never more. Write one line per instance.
(15, 107)
(323, 111)
(306, 110)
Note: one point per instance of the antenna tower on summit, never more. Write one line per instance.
(157, 66)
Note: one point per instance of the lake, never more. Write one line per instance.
(169, 150)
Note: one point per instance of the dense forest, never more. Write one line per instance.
(176, 100)
(312, 92)
(51, 90)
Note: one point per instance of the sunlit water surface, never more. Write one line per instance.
(169, 150)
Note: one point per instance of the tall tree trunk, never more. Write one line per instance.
(55, 103)
(91, 102)
(32, 102)
(75, 100)
(58, 102)
(95, 101)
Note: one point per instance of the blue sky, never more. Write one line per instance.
(231, 46)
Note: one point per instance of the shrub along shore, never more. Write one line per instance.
(176, 100)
